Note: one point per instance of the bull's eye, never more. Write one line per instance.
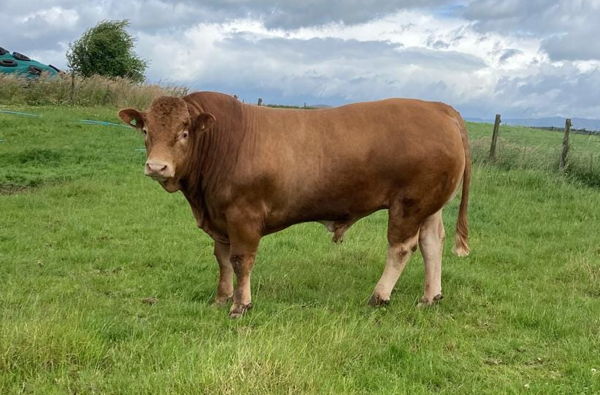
(144, 131)
(184, 135)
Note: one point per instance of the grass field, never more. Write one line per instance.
(85, 239)
(526, 148)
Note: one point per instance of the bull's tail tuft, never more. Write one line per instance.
(461, 245)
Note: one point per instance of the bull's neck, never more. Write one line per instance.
(200, 180)
(214, 152)
(201, 167)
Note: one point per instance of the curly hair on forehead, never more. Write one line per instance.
(168, 110)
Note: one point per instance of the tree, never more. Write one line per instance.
(106, 49)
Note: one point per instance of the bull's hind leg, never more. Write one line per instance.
(403, 231)
(225, 287)
(431, 242)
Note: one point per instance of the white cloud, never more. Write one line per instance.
(409, 53)
(568, 28)
(482, 56)
(53, 17)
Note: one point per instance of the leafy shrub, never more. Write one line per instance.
(106, 49)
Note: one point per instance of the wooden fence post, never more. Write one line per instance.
(565, 146)
(495, 137)
(260, 101)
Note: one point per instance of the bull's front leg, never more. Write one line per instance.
(244, 240)
(242, 296)
(225, 287)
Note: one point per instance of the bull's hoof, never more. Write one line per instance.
(377, 301)
(424, 302)
(238, 310)
(221, 301)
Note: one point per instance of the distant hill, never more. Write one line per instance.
(557, 122)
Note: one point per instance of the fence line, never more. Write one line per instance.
(564, 154)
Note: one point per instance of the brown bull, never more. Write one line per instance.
(248, 171)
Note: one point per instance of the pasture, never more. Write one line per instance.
(106, 284)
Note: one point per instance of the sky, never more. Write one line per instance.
(531, 58)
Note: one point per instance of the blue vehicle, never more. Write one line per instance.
(22, 65)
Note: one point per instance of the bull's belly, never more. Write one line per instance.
(340, 205)
(333, 212)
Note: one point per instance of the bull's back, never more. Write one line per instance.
(349, 161)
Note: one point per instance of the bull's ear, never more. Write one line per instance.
(132, 117)
(204, 121)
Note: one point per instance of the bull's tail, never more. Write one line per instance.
(461, 245)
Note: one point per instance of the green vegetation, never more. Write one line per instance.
(107, 50)
(85, 239)
(78, 91)
(526, 148)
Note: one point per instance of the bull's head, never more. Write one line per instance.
(169, 131)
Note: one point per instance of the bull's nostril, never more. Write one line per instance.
(153, 168)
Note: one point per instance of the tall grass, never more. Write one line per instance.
(79, 91)
(530, 149)
(585, 169)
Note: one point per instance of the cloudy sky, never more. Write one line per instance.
(521, 58)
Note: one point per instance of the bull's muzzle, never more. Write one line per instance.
(158, 170)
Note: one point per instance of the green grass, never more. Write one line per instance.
(91, 91)
(84, 238)
(527, 148)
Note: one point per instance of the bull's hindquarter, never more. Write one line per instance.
(339, 165)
